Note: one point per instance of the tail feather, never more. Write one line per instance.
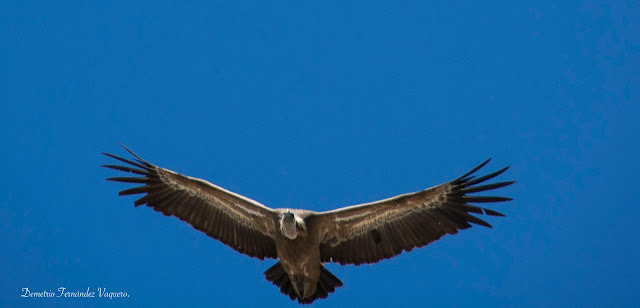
(327, 283)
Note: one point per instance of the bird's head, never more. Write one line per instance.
(289, 225)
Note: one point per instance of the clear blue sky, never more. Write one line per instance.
(318, 106)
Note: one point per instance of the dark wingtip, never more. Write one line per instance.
(139, 164)
(127, 149)
(486, 177)
(493, 213)
(129, 179)
(476, 168)
(140, 159)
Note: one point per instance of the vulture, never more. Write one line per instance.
(304, 240)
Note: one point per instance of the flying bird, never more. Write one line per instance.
(303, 240)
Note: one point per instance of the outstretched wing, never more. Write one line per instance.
(368, 233)
(239, 222)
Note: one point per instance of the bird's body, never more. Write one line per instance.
(300, 256)
(303, 240)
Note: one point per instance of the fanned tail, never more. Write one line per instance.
(327, 283)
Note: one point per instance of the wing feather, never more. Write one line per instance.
(370, 232)
(239, 222)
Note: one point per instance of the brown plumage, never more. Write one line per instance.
(302, 240)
